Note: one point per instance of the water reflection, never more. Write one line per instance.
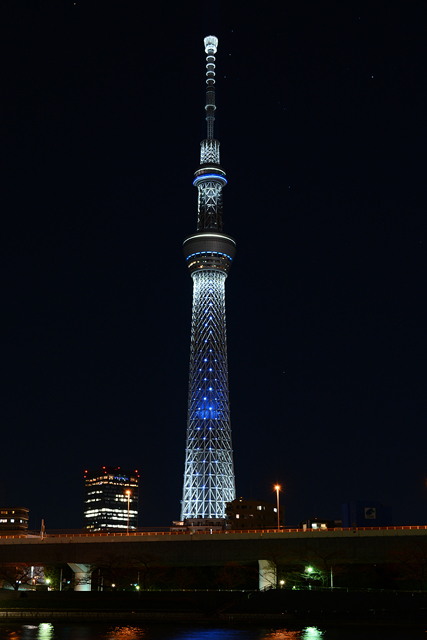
(282, 634)
(45, 631)
(108, 631)
(125, 633)
(308, 633)
(311, 633)
(28, 631)
(13, 635)
(209, 634)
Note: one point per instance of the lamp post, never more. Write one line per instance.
(277, 488)
(128, 495)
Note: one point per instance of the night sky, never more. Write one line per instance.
(321, 118)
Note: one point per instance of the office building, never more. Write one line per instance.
(111, 499)
(13, 520)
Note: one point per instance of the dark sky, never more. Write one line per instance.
(321, 118)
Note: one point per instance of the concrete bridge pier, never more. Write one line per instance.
(267, 575)
(82, 576)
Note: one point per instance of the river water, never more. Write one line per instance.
(75, 631)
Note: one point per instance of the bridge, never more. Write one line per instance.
(267, 547)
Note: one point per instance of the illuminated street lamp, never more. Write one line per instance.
(309, 571)
(128, 495)
(277, 489)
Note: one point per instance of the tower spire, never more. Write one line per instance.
(209, 470)
(211, 46)
(210, 176)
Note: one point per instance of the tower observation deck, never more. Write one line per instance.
(209, 471)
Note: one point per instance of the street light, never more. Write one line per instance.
(309, 571)
(128, 495)
(277, 488)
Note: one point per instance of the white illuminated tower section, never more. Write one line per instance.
(209, 472)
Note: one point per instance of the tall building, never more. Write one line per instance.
(209, 473)
(111, 499)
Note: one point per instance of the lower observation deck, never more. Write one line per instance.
(209, 250)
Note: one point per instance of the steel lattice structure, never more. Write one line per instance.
(209, 473)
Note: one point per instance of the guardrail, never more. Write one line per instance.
(231, 532)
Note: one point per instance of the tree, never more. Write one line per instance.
(151, 572)
(57, 572)
(114, 571)
(411, 561)
(184, 577)
(123, 571)
(18, 573)
(230, 576)
(325, 564)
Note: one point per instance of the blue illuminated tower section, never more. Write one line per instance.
(209, 472)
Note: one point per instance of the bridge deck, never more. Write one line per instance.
(205, 548)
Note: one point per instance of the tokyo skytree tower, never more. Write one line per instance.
(209, 472)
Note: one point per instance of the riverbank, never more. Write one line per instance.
(275, 606)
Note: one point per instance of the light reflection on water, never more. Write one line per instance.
(282, 634)
(45, 631)
(125, 633)
(311, 633)
(308, 633)
(95, 631)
